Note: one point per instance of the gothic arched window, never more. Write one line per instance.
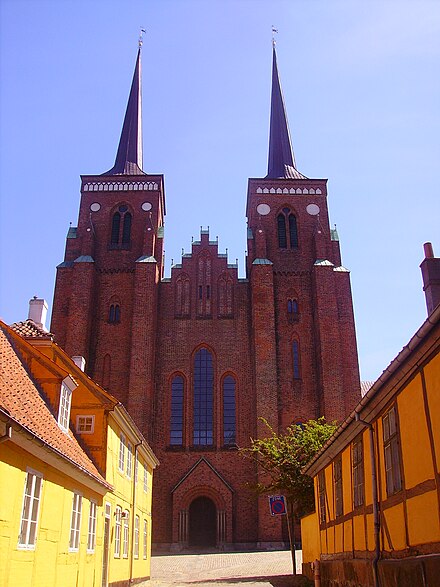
(116, 224)
(114, 314)
(176, 422)
(282, 236)
(203, 398)
(229, 433)
(126, 229)
(292, 310)
(182, 305)
(296, 360)
(121, 228)
(225, 295)
(293, 232)
(287, 230)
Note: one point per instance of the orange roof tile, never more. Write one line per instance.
(28, 329)
(22, 400)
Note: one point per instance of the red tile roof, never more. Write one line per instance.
(22, 400)
(28, 329)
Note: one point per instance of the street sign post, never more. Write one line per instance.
(277, 504)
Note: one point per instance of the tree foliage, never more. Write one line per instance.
(283, 456)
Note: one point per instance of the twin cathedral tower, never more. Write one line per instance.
(199, 358)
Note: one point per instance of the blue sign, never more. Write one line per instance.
(277, 504)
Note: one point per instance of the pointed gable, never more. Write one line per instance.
(24, 402)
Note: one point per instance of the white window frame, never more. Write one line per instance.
(91, 534)
(126, 535)
(145, 478)
(33, 486)
(67, 387)
(85, 424)
(75, 522)
(129, 459)
(145, 544)
(122, 441)
(118, 515)
(136, 537)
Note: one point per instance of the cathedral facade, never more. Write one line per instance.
(201, 357)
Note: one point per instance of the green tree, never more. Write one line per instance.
(282, 457)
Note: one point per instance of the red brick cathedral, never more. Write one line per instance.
(199, 357)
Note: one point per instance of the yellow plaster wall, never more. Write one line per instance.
(395, 522)
(370, 532)
(50, 563)
(432, 380)
(330, 534)
(417, 459)
(348, 535)
(310, 538)
(359, 533)
(423, 524)
(329, 491)
(122, 495)
(339, 537)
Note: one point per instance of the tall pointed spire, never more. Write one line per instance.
(281, 163)
(129, 156)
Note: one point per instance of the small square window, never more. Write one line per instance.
(85, 424)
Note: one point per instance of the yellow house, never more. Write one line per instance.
(377, 483)
(75, 482)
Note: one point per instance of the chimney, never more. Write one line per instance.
(430, 267)
(79, 362)
(38, 312)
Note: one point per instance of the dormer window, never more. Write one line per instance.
(67, 386)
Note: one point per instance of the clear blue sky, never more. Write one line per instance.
(362, 89)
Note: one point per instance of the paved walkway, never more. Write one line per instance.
(246, 569)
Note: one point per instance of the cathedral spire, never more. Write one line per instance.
(129, 156)
(281, 163)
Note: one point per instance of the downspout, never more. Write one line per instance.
(376, 518)
(133, 510)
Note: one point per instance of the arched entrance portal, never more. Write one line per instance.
(202, 522)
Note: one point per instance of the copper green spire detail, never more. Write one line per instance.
(281, 163)
(129, 156)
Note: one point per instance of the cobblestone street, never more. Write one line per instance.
(248, 569)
